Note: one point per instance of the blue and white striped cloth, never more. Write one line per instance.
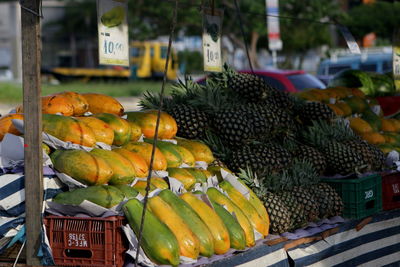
(12, 204)
(376, 244)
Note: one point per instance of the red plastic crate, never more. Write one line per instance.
(87, 241)
(391, 191)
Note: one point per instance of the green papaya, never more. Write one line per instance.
(171, 154)
(128, 191)
(122, 129)
(158, 242)
(373, 119)
(102, 195)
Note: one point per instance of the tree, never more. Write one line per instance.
(381, 18)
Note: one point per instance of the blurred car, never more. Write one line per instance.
(380, 63)
(286, 80)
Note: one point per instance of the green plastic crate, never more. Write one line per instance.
(362, 197)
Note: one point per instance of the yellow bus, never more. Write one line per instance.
(148, 60)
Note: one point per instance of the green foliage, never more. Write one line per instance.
(192, 60)
(380, 18)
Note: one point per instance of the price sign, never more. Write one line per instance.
(212, 22)
(113, 32)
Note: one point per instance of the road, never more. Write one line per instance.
(129, 103)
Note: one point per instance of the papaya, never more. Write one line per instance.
(396, 124)
(244, 222)
(386, 148)
(199, 175)
(46, 149)
(170, 126)
(373, 138)
(123, 170)
(159, 183)
(121, 128)
(360, 126)
(357, 92)
(138, 162)
(345, 108)
(136, 132)
(128, 191)
(187, 156)
(140, 186)
(101, 130)
(99, 103)
(78, 102)
(336, 110)
(320, 95)
(6, 125)
(390, 138)
(158, 242)
(373, 119)
(200, 151)
(182, 175)
(190, 217)
(171, 154)
(255, 219)
(144, 150)
(357, 104)
(147, 122)
(388, 125)
(102, 195)
(212, 221)
(216, 170)
(54, 104)
(82, 166)
(257, 203)
(207, 173)
(189, 244)
(236, 234)
(68, 129)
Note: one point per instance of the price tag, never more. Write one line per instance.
(212, 23)
(113, 32)
(396, 60)
(351, 42)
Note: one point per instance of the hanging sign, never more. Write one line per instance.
(396, 60)
(113, 32)
(274, 35)
(212, 22)
(351, 42)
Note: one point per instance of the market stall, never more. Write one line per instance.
(229, 172)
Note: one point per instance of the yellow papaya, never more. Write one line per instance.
(189, 245)
(360, 126)
(169, 123)
(200, 151)
(144, 150)
(82, 166)
(101, 130)
(122, 129)
(138, 162)
(68, 129)
(182, 175)
(136, 132)
(99, 103)
(212, 220)
(6, 125)
(187, 156)
(123, 170)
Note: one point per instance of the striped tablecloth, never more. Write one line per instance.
(376, 244)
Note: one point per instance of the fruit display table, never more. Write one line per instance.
(375, 244)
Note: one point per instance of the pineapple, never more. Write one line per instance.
(312, 111)
(330, 203)
(280, 99)
(315, 157)
(340, 159)
(279, 215)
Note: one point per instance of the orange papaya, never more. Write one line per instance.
(170, 126)
(100, 103)
(6, 125)
(123, 170)
(121, 128)
(136, 131)
(78, 102)
(138, 162)
(82, 166)
(68, 129)
(144, 150)
(147, 122)
(101, 130)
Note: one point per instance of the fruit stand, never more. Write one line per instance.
(232, 172)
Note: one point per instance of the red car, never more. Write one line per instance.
(287, 80)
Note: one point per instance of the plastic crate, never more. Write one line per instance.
(361, 197)
(86, 241)
(391, 191)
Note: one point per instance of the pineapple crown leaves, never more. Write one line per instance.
(153, 101)
(250, 178)
(217, 146)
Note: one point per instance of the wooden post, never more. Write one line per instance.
(31, 62)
